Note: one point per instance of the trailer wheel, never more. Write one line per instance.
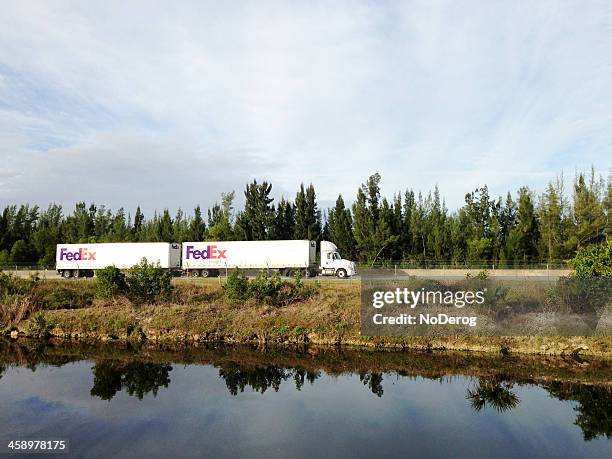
(66, 274)
(205, 273)
(195, 273)
(341, 273)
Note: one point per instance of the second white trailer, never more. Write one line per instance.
(209, 258)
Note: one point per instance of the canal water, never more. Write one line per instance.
(141, 404)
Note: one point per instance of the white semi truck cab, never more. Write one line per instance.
(333, 264)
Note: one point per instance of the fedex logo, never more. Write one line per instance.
(81, 254)
(210, 253)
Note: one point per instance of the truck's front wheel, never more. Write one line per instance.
(66, 274)
(341, 273)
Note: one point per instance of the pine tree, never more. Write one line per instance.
(507, 221)
(307, 216)
(339, 223)
(119, 231)
(384, 237)
(406, 228)
(551, 212)
(419, 230)
(166, 228)
(589, 216)
(180, 227)
(220, 220)
(47, 234)
(284, 222)
(138, 222)
(257, 218)
(197, 227)
(102, 224)
(313, 215)
(526, 230)
(363, 227)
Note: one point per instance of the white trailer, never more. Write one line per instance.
(81, 260)
(210, 258)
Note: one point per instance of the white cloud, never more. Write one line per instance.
(203, 98)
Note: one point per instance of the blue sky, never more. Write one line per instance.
(167, 105)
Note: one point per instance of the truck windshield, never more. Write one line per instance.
(336, 256)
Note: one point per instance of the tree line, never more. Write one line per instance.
(519, 229)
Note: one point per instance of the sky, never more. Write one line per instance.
(169, 104)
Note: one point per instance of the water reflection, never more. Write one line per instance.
(488, 391)
(493, 392)
(259, 379)
(135, 377)
(593, 409)
(373, 381)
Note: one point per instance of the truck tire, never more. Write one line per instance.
(341, 273)
(205, 273)
(66, 274)
(195, 273)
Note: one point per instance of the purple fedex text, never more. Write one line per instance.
(211, 252)
(81, 254)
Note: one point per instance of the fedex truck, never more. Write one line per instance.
(206, 259)
(210, 258)
(81, 260)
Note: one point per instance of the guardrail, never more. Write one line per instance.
(399, 264)
(24, 267)
(449, 264)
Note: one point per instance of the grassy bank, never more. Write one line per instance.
(198, 311)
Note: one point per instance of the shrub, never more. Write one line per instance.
(110, 281)
(583, 295)
(40, 326)
(149, 282)
(268, 289)
(265, 288)
(237, 285)
(594, 260)
(11, 285)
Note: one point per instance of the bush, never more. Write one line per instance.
(265, 288)
(11, 285)
(594, 260)
(268, 289)
(110, 281)
(148, 282)
(583, 295)
(237, 285)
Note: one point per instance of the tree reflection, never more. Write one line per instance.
(594, 409)
(261, 378)
(2, 370)
(373, 381)
(136, 378)
(300, 376)
(493, 392)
